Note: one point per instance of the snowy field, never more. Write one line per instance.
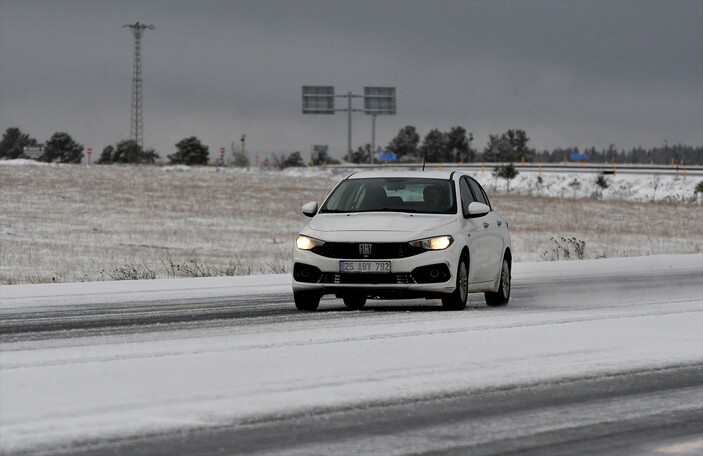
(63, 223)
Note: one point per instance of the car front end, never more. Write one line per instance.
(381, 264)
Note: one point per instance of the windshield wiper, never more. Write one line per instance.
(379, 209)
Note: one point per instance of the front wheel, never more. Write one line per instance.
(457, 300)
(306, 300)
(502, 296)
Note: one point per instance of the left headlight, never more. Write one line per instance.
(307, 243)
(434, 243)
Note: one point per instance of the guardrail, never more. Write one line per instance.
(595, 168)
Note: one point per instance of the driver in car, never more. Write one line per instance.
(432, 197)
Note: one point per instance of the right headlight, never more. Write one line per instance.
(307, 243)
(434, 243)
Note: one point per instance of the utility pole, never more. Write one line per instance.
(136, 125)
(349, 126)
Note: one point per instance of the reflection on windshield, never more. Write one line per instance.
(412, 195)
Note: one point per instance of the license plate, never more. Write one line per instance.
(368, 267)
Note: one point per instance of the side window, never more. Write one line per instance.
(479, 193)
(466, 196)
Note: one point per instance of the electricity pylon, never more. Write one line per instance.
(136, 125)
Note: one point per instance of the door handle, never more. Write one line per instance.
(500, 223)
(486, 224)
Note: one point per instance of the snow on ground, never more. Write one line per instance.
(623, 186)
(25, 297)
(568, 182)
(53, 392)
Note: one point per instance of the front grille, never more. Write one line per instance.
(352, 251)
(370, 279)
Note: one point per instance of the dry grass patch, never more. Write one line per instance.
(608, 228)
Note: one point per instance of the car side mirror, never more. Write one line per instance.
(310, 209)
(477, 209)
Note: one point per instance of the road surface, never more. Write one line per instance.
(601, 359)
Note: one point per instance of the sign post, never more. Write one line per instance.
(90, 152)
(377, 101)
(222, 156)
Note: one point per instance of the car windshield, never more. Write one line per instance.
(392, 194)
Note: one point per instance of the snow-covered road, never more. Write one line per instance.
(566, 320)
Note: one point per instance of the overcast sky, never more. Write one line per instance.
(570, 73)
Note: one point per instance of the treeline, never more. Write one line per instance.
(61, 148)
(455, 145)
(678, 154)
(452, 146)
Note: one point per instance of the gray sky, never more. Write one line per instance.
(570, 73)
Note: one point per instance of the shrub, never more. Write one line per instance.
(507, 172)
(189, 151)
(565, 248)
(132, 271)
(575, 185)
(602, 182)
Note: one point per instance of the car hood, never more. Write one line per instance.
(378, 221)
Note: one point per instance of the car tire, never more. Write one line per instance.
(457, 300)
(305, 300)
(502, 296)
(354, 302)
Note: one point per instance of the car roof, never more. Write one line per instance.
(433, 174)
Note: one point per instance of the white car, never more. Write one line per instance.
(409, 234)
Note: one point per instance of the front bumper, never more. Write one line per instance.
(429, 274)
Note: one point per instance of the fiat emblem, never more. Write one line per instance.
(365, 250)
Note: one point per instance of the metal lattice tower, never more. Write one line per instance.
(136, 126)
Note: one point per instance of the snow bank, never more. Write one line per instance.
(25, 296)
(24, 162)
(22, 297)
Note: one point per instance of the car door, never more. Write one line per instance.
(493, 232)
(477, 236)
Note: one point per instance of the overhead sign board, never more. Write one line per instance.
(388, 157)
(379, 100)
(579, 157)
(318, 99)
